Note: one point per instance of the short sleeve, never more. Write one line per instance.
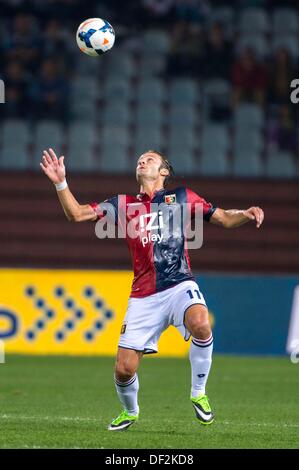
(194, 199)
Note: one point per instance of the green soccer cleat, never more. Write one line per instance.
(122, 422)
(202, 409)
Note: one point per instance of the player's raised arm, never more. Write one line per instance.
(233, 218)
(55, 170)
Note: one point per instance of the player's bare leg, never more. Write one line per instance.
(127, 363)
(127, 386)
(198, 324)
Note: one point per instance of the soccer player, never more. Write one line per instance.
(164, 291)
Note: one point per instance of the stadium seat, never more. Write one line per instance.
(84, 87)
(119, 134)
(117, 88)
(48, 134)
(157, 41)
(248, 138)
(151, 64)
(216, 86)
(257, 42)
(249, 115)
(80, 159)
(83, 110)
(14, 157)
(179, 135)
(280, 165)
(181, 158)
(183, 91)
(248, 164)
(151, 91)
(147, 137)
(215, 138)
(82, 134)
(216, 95)
(81, 142)
(289, 42)
(285, 20)
(184, 115)
(213, 162)
(15, 136)
(16, 129)
(150, 114)
(86, 67)
(38, 153)
(143, 146)
(113, 158)
(120, 64)
(254, 20)
(214, 149)
(115, 114)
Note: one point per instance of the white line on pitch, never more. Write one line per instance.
(50, 418)
(97, 420)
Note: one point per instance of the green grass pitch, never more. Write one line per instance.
(67, 402)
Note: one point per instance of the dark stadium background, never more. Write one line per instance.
(205, 82)
(37, 36)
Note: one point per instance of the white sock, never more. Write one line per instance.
(200, 355)
(128, 394)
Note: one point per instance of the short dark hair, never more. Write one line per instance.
(165, 164)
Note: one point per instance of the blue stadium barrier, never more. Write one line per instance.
(251, 312)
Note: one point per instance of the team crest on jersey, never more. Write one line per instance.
(170, 199)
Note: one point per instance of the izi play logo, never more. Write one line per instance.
(147, 223)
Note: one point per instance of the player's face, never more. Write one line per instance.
(148, 166)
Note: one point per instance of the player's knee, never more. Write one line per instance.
(201, 329)
(197, 322)
(124, 372)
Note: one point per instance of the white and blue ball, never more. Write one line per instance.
(95, 36)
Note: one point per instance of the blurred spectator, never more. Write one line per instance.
(252, 3)
(217, 60)
(192, 11)
(158, 11)
(16, 83)
(56, 42)
(281, 133)
(68, 10)
(50, 93)
(223, 3)
(10, 8)
(22, 42)
(249, 78)
(282, 71)
(186, 50)
(158, 7)
(271, 4)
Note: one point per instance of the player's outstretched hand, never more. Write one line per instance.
(255, 213)
(53, 167)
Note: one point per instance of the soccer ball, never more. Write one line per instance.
(95, 36)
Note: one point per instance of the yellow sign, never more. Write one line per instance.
(69, 312)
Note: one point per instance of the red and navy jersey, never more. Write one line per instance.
(160, 258)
